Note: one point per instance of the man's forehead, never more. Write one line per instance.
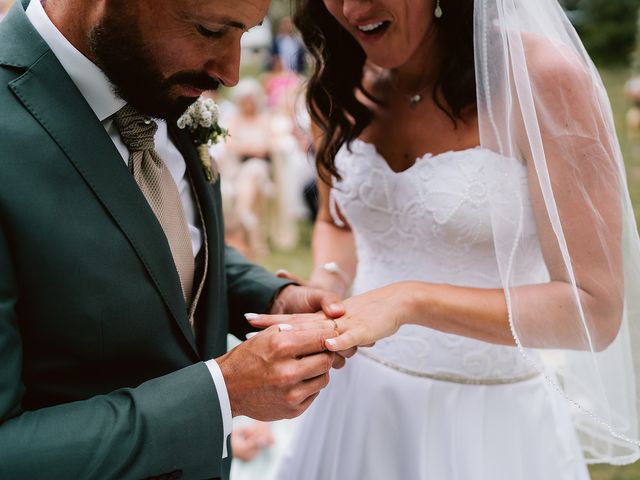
(242, 14)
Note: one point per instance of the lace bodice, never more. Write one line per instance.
(432, 222)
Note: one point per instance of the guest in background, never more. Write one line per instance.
(288, 47)
(279, 83)
(246, 164)
(265, 168)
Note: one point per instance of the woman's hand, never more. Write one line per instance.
(372, 316)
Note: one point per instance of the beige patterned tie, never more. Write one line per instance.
(156, 183)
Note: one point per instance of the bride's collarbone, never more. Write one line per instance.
(401, 146)
(402, 134)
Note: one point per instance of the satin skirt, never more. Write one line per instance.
(375, 423)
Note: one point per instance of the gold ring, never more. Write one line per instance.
(335, 324)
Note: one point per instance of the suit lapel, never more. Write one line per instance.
(20, 44)
(48, 93)
(210, 326)
(202, 187)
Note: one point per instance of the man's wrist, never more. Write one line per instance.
(327, 279)
(224, 401)
(324, 280)
(278, 303)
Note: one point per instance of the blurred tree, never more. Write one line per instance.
(574, 12)
(635, 59)
(608, 28)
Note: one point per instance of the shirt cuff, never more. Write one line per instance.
(223, 398)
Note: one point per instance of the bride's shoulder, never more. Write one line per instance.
(553, 65)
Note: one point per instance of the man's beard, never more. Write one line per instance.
(120, 52)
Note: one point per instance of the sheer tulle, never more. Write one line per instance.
(541, 100)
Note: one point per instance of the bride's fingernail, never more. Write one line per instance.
(251, 316)
(282, 271)
(285, 327)
(250, 335)
(331, 342)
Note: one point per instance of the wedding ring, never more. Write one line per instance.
(335, 325)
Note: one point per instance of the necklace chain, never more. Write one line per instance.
(415, 98)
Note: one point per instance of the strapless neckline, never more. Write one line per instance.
(369, 148)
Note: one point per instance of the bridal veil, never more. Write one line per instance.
(542, 102)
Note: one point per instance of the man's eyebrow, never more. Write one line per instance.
(235, 24)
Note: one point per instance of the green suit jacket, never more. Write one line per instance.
(100, 374)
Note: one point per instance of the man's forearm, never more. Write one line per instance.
(166, 424)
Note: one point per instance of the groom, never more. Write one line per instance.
(116, 291)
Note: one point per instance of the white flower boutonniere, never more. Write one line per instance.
(201, 118)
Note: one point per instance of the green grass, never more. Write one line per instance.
(298, 261)
(609, 472)
(614, 80)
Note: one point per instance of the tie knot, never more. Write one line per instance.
(136, 130)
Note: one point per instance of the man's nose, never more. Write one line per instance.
(226, 67)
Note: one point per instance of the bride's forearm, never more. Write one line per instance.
(546, 315)
(332, 244)
(471, 312)
(545, 311)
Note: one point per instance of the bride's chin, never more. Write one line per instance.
(387, 58)
(387, 63)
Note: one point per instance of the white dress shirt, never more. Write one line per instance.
(96, 89)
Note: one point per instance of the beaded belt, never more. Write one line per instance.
(448, 378)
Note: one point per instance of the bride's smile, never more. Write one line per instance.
(389, 31)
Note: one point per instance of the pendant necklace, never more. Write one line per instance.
(414, 99)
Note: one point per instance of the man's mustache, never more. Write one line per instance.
(197, 80)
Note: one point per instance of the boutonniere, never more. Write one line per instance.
(201, 118)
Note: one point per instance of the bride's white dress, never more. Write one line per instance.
(424, 405)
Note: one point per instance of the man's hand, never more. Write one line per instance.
(305, 321)
(371, 316)
(302, 299)
(278, 372)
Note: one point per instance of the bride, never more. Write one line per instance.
(473, 187)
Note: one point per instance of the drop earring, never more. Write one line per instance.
(438, 11)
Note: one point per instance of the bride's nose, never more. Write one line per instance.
(356, 10)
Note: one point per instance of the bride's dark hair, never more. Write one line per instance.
(338, 70)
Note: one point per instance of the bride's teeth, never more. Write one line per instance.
(368, 28)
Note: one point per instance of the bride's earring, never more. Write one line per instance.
(438, 11)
